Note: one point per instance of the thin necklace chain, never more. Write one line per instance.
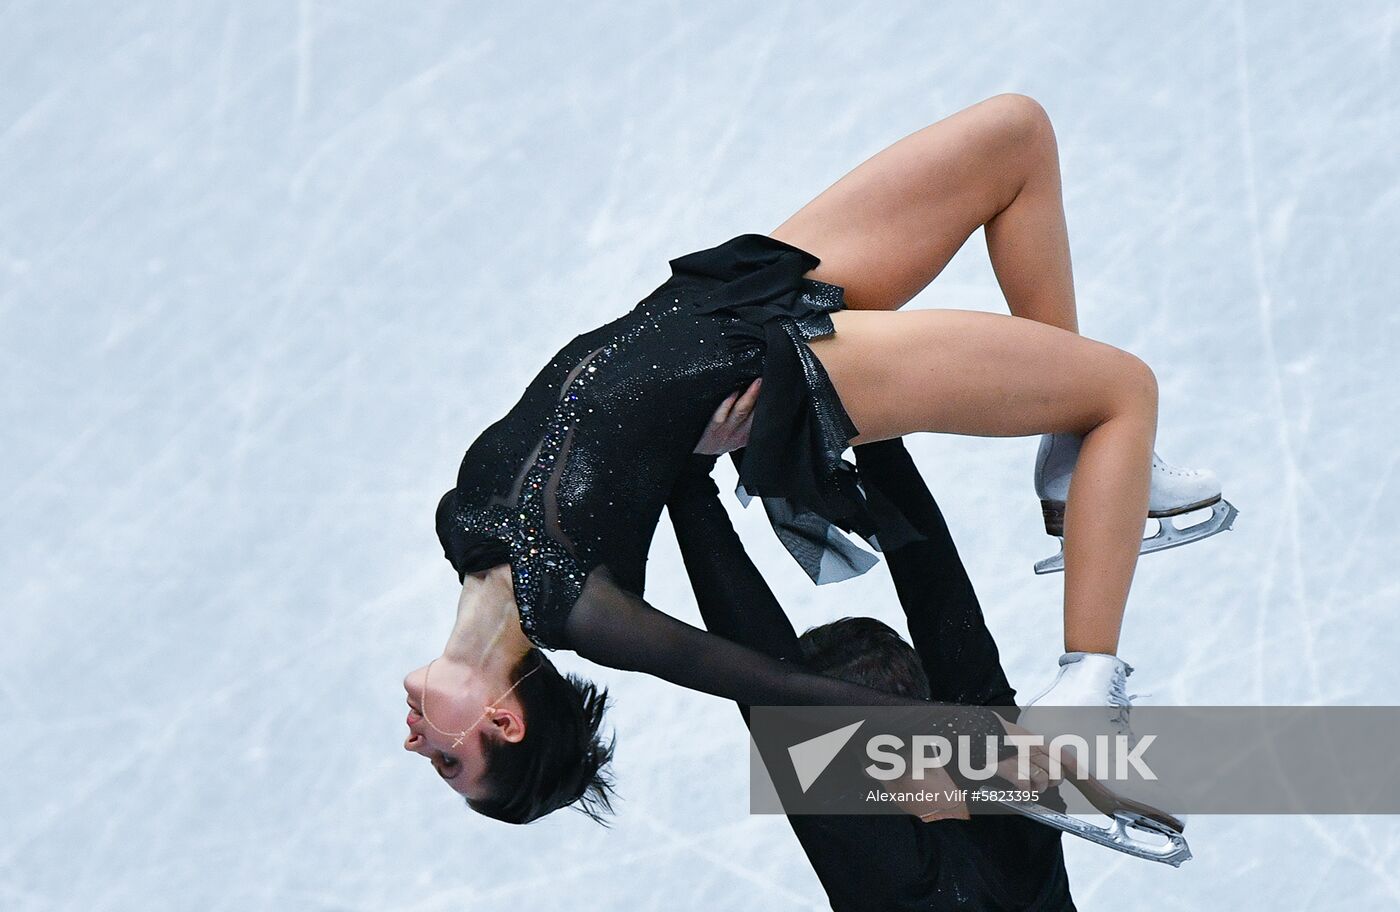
(461, 736)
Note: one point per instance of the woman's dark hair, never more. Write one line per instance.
(562, 758)
(865, 651)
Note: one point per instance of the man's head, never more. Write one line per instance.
(865, 651)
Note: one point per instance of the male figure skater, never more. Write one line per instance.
(889, 862)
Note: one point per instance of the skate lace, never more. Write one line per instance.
(1118, 696)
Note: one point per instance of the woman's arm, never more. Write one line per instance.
(613, 627)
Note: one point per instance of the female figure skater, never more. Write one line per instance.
(555, 504)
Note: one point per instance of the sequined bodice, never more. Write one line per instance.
(577, 473)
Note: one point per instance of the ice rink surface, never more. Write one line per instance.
(267, 268)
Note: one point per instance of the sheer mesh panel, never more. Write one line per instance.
(513, 498)
(613, 627)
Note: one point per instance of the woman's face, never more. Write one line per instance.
(455, 701)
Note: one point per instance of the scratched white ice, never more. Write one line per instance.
(267, 268)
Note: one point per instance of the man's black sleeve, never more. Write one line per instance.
(734, 599)
(863, 862)
(945, 619)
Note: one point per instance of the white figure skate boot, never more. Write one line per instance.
(1127, 824)
(1088, 679)
(1174, 492)
(1089, 699)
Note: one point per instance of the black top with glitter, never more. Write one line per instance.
(575, 476)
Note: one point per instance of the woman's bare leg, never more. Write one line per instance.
(886, 229)
(991, 375)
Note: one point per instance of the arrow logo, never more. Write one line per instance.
(810, 758)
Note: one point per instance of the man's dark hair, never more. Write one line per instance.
(865, 651)
(561, 760)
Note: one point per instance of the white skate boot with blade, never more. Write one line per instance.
(1174, 492)
(1128, 824)
(1086, 680)
(1090, 679)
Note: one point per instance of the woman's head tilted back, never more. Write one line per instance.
(514, 756)
(561, 760)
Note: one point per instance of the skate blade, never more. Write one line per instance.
(1156, 842)
(1222, 517)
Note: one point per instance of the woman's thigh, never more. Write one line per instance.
(967, 372)
(887, 228)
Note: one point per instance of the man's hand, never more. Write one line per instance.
(1038, 778)
(942, 797)
(729, 426)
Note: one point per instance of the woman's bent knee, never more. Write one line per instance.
(1123, 387)
(1023, 115)
(1135, 382)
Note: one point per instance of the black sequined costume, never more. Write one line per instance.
(568, 487)
(576, 475)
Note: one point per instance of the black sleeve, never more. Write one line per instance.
(945, 619)
(734, 599)
(614, 627)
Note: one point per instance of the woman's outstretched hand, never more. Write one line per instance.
(729, 425)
